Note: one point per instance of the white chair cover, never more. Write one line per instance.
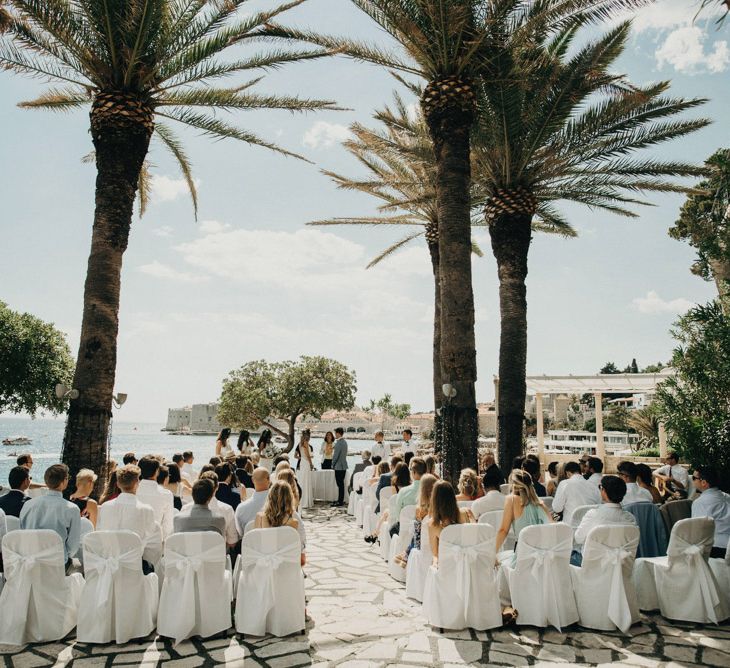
(12, 523)
(197, 591)
(539, 583)
(86, 527)
(547, 502)
(681, 584)
(721, 570)
(603, 589)
(39, 603)
(579, 513)
(494, 519)
(462, 591)
(419, 561)
(384, 535)
(506, 488)
(118, 602)
(400, 542)
(465, 504)
(369, 517)
(359, 503)
(271, 586)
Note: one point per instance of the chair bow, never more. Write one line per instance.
(694, 555)
(465, 558)
(259, 568)
(612, 559)
(105, 568)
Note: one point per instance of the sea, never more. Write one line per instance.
(142, 438)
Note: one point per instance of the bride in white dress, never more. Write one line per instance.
(303, 454)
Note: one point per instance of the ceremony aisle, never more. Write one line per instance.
(360, 618)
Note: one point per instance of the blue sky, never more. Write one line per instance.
(249, 280)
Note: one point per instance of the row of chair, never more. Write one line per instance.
(115, 601)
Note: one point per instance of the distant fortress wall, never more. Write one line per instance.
(198, 419)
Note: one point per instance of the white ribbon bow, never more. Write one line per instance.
(259, 568)
(543, 563)
(693, 553)
(613, 558)
(186, 568)
(465, 558)
(106, 567)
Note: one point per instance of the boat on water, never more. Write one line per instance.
(17, 440)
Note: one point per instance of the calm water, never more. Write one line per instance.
(138, 437)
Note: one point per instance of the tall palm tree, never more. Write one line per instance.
(554, 126)
(138, 64)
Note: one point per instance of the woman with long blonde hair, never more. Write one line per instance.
(468, 485)
(422, 509)
(287, 475)
(303, 455)
(278, 511)
(522, 508)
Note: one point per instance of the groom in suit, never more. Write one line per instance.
(339, 464)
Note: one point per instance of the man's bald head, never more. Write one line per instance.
(260, 479)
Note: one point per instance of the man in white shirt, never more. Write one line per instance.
(713, 502)
(574, 491)
(152, 494)
(594, 470)
(672, 474)
(128, 512)
(225, 510)
(189, 475)
(409, 445)
(247, 510)
(610, 512)
(634, 493)
(493, 499)
(381, 448)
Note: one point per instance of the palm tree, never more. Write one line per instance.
(551, 127)
(138, 64)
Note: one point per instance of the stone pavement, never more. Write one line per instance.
(360, 618)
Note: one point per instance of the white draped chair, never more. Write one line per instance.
(196, 594)
(271, 577)
(539, 585)
(39, 602)
(86, 527)
(400, 542)
(465, 504)
(547, 502)
(12, 523)
(604, 592)
(681, 584)
(720, 569)
(359, 503)
(494, 519)
(506, 488)
(462, 591)
(419, 561)
(579, 514)
(369, 516)
(119, 601)
(384, 535)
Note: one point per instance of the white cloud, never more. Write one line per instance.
(325, 135)
(159, 270)
(665, 15)
(213, 227)
(164, 231)
(684, 49)
(653, 303)
(166, 189)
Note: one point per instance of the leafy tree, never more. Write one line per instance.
(704, 222)
(617, 419)
(557, 123)
(388, 408)
(138, 64)
(34, 357)
(694, 403)
(609, 367)
(654, 368)
(645, 422)
(260, 392)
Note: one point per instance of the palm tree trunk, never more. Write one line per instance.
(120, 152)
(511, 236)
(437, 383)
(449, 129)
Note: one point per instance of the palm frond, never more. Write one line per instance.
(393, 248)
(59, 99)
(145, 188)
(166, 135)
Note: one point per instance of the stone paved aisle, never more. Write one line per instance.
(361, 619)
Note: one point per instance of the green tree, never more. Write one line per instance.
(260, 392)
(694, 404)
(138, 64)
(609, 367)
(704, 222)
(34, 357)
(389, 408)
(645, 422)
(557, 123)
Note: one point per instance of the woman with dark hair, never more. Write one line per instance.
(267, 449)
(222, 448)
(244, 469)
(400, 478)
(303, 455)
(173, 483)
(111, 490)
(444, 510)
(644, 479)
(245, 444)
(327, 450)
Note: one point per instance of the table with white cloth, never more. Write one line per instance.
(324, 486)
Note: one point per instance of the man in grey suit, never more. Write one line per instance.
(197, 516)
(339, 464)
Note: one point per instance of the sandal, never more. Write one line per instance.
(509, 616)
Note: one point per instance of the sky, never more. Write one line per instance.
(249, 280)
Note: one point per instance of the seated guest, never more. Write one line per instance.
(522, 508)
(215, 460)
(645, 481)
(278, 511)
(532, 466)
(381, 469)
(422, 511)
(283, 457)
(493, 499)
(186, 484)
(246, 511)
(52, 511)
(386, 479)
(490, 465)
(634, 493)
(173, 483)
(468, 485)
(223, 509)
(26, 460)
(187, 469)
(129, 458)
(583, 461)
(713, 503)
(224, 492)
(672, 478)
(444, 510)
(12, 502)
(288, 476)
(408, 496)
(431, 465)
(152, 494)
(557, 475)
(244, 470)
(574, 491)
(594, 470)
(360, 466)
(400, 479)
(111, 489)
(613, 491)
(88, 508)
(197, 516)
(127, 512)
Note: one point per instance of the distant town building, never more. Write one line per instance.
(196, 419)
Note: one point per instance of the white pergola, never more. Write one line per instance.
(598, 385)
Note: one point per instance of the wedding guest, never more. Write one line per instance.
(493, 499)
(218, 507)
(245, 444)
(26, 460)
(19, 481)
(522, 508)
(490, 465)
(583, 461)
(381, 448)
(713, 503)
(400, 480)
(645, 481)
(267, 449)
(186, 489)
(129, 458)
(327, 450)
(422, 510)
(382, 469)
(224, 492)
(287, 475)
(197, 516)
(88, 508)
(409, 447)
(386, 479)
(574, 491)
(431, 465)
(552, 478)
(52, 511)
(634, 493)
(360, 466)
(673, 477)
(303, 455)
(246, 511)
(215, 460)
(468, 485)
(594, 470)
(278, 511)
(111, 489)
(445, 511)
(339, 464)
(533, 468)
(244, 470)
(189, 475)
(560, 475)
(173, 483)
(152, 494)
